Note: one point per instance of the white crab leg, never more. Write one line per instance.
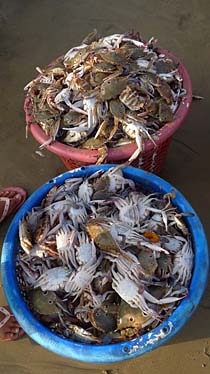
(154, 247)
(75, 108)
(78, 129)
(139, 142)
(43, 145)
(165, 300)
(90, 104)
(140, 302)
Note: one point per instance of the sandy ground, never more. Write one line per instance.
(33, 33)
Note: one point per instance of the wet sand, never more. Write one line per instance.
(33, 33)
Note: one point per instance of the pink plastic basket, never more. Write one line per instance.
(153, 156)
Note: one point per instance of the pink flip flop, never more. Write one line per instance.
(18, 190)
(13, 336)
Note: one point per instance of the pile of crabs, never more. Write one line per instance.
(103, 261)
(106, 92)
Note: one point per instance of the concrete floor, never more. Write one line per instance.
(33, 33)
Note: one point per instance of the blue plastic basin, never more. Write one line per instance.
(111, 352)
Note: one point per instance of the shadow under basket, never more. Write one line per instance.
(153, 156)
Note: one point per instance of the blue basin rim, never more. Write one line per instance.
(113, 352)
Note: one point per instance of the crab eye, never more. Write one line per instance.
(50, 301)
(45, 293)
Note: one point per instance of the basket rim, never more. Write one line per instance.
(125, 151)
(111, 352)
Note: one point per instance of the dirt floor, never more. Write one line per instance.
(33, 33)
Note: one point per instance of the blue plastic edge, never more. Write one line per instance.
(113, 352)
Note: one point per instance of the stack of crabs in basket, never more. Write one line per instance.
(106, 92)
(101, 260)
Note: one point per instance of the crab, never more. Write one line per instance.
(121, 231)
(64, 241)
(172, 243)
(143, 203)
(29, 275)
(90, 105)
(131, 98)
(71, 206)
(154, 224)
(145, 207)
(77, 212)
(137, 207)
(49, 198)
(72, 183)
(130, 265)
(116, 181)
(25, 236)
(81, 278)
(183, 263)
(85, 249)
(131, 320)
(76, 134)
(74, 253)
(111, 88)
(136, 130)
(127, 211)
(85, 191)
(53, 212)
(131, 292)
(165, 266)
(53, 279)
(42, 229)
(89, 302)
(99, 144)
(100, 233)
(176, 220)
(159, 214)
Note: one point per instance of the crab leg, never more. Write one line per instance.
(165, 300)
